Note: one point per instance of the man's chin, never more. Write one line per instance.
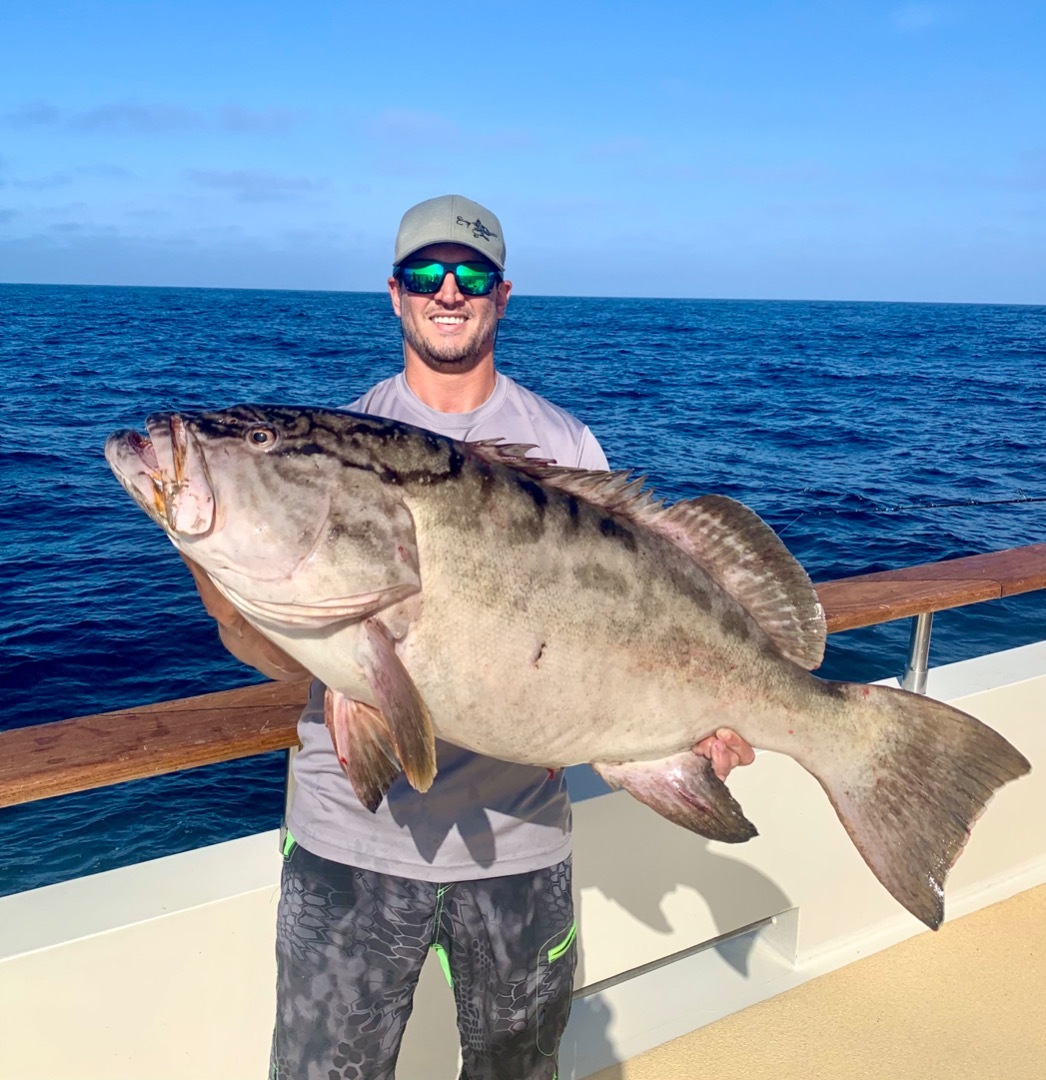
(451, 365)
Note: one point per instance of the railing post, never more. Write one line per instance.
(918, 654)
(288, 794)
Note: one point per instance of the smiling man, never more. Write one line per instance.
(477, 869)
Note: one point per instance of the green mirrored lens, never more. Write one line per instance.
(424, 278)
(473, 279)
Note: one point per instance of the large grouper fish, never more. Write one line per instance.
(550, 616)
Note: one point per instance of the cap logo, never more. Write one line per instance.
(479, 230)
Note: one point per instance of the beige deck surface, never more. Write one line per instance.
(966, 1003)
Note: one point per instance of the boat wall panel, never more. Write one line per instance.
(184, 996)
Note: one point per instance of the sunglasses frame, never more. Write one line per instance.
(448, 268)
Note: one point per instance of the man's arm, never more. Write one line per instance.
(238, 636)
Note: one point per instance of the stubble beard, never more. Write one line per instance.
(450, 356)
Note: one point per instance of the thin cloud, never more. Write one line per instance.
(65, 177)
(136, 119)
(619, 146)
(120, 118)
(35, 114)
(247, 185)
(255, 121)
(414, 126)
(131, 118)
(913, 18)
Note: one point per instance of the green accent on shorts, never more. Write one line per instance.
(558, 950)
(289, 845)
(444, 962)
(440, 950)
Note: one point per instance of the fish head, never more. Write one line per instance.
(280, 506)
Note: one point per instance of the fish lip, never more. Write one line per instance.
(172, 462)
(134, 461)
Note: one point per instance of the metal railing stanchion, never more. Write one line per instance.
(918, 654)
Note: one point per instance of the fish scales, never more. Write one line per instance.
(550, 617)
(624, 647)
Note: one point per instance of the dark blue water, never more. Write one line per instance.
(818, 415)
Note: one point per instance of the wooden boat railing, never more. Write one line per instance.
(58, 758)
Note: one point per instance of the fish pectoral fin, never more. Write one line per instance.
(405, 712)
(684, 789)
(364, 746)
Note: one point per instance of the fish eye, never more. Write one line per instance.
(262, 438)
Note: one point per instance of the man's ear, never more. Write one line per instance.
(394, 294)
(501, 300)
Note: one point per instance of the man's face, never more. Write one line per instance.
(446, 330)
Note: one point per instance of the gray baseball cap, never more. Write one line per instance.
(450, 219)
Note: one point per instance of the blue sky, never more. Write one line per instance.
(840, 150)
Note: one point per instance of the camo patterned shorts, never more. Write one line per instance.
(350, 944)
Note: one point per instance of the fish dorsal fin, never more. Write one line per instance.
(730, 542)
(748, 559)
(622, 491)
(506, 453)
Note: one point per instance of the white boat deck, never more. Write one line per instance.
(967, 1003)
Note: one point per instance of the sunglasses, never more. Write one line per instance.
(426, 276)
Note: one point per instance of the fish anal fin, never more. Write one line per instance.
(685, 790)
(748, 559)
(910, 801)
(406, 714)
(363, 745)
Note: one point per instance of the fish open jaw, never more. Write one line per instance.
(178, 495)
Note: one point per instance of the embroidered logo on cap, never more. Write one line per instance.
(479, 230)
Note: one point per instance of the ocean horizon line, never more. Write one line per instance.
(518, 294)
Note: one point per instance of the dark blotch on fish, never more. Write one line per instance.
(734, 625)
(594, 576)
(609, 527)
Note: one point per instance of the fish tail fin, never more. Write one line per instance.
(910, 800)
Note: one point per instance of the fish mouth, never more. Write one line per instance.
(165, 472)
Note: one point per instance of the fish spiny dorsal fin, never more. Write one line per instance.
(621, 492)
(748, 559)
(505, 453)
(730, 542)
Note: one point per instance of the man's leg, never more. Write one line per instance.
(349, 947)
(511, 948)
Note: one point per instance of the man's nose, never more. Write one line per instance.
(448, 292)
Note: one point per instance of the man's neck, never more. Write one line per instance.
(451, 393)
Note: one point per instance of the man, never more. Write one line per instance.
(478, 868)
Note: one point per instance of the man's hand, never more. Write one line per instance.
(237, 634)
(725, 749)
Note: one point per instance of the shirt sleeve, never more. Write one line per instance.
(589, 453)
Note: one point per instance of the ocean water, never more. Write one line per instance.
(837, 422)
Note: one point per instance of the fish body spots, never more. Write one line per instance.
(523, 520)
(534, 490)
(536, 655)
(835, 689)
(574, 510)
(734, 625)
(599, 578)
(614, 529)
